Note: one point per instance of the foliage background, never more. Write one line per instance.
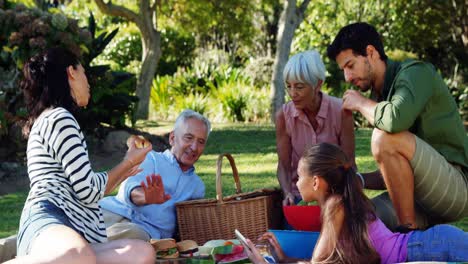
(217, 58)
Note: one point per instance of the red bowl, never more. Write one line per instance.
(303, 217)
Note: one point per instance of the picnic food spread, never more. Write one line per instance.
(140, 141)
(165, 248)
(188, 248)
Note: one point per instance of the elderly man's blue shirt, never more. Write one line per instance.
(158, 220)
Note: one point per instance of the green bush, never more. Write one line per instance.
(258, 106)
(161, 96)
(259, 71)
(124, 50)
(25, 32)
(233, 101)
(177, 50)
(460, 94)
(221, 92)
(196, 102)
(112, 101)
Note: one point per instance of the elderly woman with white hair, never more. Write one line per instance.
(311, 117)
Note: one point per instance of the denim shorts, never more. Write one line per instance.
(438, 243)
(35, 219)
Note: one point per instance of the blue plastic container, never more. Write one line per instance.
(297, 244)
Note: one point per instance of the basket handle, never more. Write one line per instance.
(235, 174)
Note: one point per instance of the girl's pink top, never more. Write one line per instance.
(392, 247)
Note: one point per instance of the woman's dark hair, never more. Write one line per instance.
(352, 244)
(356, 37)
(45, 83)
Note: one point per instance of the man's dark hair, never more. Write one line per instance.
(356, 37)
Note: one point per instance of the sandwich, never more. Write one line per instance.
(165, 248)
(188, 248)
(140, 141)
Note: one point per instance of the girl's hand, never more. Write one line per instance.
(275, 244)
(253, 253)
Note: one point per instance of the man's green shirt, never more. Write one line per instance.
(418, 100)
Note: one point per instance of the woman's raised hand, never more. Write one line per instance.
(138, 147)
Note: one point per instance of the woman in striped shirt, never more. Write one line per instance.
(61, 220)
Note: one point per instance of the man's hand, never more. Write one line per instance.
(353, 100)
(154, 190)
(288, 199)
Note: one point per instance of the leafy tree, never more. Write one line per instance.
(145, 18)
(429, 30)
(223, 25)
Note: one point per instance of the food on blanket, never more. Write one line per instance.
(220, 242)
(165, 248)
(140, 141)
(238, 253)
(188, 248)
(225, 251)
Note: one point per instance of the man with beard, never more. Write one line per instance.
(419, 142)
(144, 207)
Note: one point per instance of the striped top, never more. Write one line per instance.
(60, 172)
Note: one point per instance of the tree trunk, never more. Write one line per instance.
(150, 58)
(146, 21)
(291, 18)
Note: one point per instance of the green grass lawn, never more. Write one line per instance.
(254, 150)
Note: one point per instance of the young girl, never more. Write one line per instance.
(351, 233)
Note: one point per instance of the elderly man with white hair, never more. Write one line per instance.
(144, 207)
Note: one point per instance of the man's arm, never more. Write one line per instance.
(373, 180)
(150, 193)
(347, 142)
(355, 101)
(138, 196)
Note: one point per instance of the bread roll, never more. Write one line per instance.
(140, 141)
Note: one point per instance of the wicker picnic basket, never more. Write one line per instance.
(252, 213)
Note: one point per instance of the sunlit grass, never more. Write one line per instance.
(10, 212)
(253, 148)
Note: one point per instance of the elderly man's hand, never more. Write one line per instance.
(154, 190)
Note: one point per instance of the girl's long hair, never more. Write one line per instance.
(45, 83)
(352, 244)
